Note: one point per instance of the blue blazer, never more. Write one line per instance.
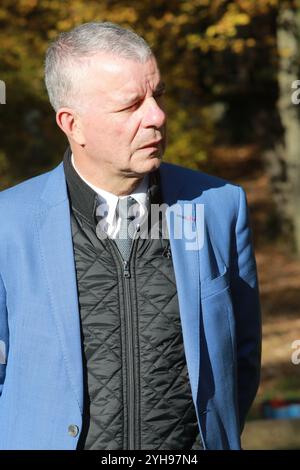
(41, 382)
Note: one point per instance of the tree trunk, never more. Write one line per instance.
(288, 185)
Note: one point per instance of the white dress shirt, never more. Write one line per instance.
(110, 222)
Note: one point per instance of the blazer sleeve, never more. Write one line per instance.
(3, 334)
(246, 305)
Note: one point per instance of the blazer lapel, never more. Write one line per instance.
(56, 246)
(181, 216)
(181, 222)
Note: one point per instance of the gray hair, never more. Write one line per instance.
(66, 51)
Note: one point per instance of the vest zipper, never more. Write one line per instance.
(131, 391)
(131, 398)
(126, 269)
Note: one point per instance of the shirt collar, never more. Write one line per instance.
(84, 197)
(111, 200)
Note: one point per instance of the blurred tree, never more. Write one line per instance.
(30, 140)
(285, 164)
(195, 42)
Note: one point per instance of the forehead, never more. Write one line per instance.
(118, 78)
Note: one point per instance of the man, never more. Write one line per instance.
(114, 339)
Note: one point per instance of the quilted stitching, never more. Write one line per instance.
(167, 418)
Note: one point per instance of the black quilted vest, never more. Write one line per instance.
(137, 389)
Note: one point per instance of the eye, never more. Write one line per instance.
(133, 106)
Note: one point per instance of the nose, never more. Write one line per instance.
(154, 116)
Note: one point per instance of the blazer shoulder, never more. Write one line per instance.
(26, 192)
(195, 183)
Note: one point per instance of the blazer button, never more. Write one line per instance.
(73, 430)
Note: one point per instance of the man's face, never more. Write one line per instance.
(121, 118)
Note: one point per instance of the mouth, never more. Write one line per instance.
(153, 144)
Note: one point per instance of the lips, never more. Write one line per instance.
(152, 144)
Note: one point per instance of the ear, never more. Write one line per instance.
(69, 122)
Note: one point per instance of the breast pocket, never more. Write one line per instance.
(218, 318)
(211, 287)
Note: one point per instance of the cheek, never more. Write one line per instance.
(112, 131)
(133, 127)
(114, 127)
(94, 128)
(104, 132)
(125, 132)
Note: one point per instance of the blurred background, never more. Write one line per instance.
(231, 69)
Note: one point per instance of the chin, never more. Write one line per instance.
(153, 162)
(143, 164)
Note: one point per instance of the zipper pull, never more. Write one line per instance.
(126, 269)
(167, 252)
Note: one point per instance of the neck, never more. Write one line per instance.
(118, 184)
